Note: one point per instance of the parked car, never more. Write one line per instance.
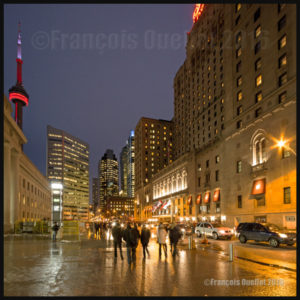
(265, 232)
(214, 230)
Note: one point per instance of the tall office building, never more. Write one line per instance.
(95, 191)
(108, 177)
(153, 148)
(68, 164)
(124, 170)
(130, 164)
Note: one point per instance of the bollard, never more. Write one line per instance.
(190, 242)
(230, 252)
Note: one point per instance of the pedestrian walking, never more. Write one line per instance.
(126, 238)
(145, 237)
(175, 235)
(117, 236)
(134, 236)
(55, 229)
(161, 239)
(170, 230)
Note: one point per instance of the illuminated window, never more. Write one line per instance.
(257, 31)
(238, 37)
(258, 97)
(238, 52)
(259, 149)
(239, 81)
(217, 159)
(286, 195)
(285, 153)
(282, 61)
(282, 42)
(258, 80)
(238, 7)
(239, 96)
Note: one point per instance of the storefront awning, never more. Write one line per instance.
(199, 198)
(189, 200)
(216, 195)
(207, 197)
(259, 186)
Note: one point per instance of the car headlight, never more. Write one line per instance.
(183, 230)
(282, 235)
(222, 231)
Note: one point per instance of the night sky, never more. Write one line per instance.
(94, 70)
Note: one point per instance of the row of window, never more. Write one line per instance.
(261, 200)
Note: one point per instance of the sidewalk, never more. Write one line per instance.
(37, 267)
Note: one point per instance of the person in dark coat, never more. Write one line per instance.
(55, 228)
(117, 235)
(145, 237)
(135, 236)
(175, 235)
(126, 238)
(170, 229)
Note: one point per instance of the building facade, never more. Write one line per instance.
(120, 206)
(235, 115)
(95, 191)
(108, 177)
(124, 170)
(153, 148)
(27, 196)
(68, 164)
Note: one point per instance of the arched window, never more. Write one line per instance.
(178, 183)
(258, 145)
(173, 184)
(169, 186)
(184, 176)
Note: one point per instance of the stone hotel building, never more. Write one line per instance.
(234, 121)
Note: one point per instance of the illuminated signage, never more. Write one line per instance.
(197, 12)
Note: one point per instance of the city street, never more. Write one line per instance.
(41, 267)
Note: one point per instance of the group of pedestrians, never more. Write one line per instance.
(174, 237)
(101, 229)
(131, 236)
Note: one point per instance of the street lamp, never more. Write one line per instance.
(283, 143)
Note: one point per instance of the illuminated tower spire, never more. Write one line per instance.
(17, 93)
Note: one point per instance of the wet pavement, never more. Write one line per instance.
(41, 267)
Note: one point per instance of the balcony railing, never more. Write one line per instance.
(255, 170)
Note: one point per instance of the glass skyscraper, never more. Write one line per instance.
(68, 164)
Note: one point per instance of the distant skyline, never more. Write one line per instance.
(94, 70)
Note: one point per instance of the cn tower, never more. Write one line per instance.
(17, 93)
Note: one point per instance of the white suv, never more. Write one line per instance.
(214, 230)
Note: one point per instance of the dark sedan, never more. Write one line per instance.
(265, 233)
